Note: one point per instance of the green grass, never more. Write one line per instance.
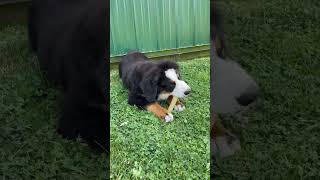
(144, 147)
(30, 148)
(278, 43)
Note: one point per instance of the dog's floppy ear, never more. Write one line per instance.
(149, 84)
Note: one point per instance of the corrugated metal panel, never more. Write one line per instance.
(155, 25)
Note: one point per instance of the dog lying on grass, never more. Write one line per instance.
(149, 82)
(70, 40)
(232, 89)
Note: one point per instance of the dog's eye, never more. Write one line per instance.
(172, 82)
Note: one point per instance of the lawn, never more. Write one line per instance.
(144, 147)
(278, 43)
(29, 146)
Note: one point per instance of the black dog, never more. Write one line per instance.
(70, 39)
(149, 82)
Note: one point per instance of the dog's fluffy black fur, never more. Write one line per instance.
(144, 79)
(70, 39)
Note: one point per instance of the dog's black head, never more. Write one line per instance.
(163, 80)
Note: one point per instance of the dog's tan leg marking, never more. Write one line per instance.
(160, 112)
(217, 128)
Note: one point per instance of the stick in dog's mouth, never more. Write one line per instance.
(172, 104)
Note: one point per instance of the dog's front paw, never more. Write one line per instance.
(168, 117)
(179, 107)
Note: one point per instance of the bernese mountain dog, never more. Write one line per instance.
(149, 82)
(70, 39)
(233, 90)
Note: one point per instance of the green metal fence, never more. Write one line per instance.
(157, 25)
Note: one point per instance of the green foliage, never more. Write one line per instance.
(143, 147)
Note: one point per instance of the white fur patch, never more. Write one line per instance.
(171, 74)
(168, 117)
(181, 86)
(179, 108)
(163, 96)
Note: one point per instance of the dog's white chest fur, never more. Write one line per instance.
(163, 96)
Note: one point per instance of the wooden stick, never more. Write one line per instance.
(172, 104)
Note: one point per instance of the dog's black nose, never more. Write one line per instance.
(187, 92)
(249, 96)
